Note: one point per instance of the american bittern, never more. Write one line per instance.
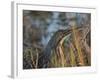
(56, 41)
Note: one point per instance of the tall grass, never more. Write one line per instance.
(77, 44)
(36, 65)
(59, 58)
(31, 57)
(72, 55)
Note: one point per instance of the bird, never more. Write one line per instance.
(58, 37)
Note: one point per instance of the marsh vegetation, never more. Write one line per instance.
(56, 39)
